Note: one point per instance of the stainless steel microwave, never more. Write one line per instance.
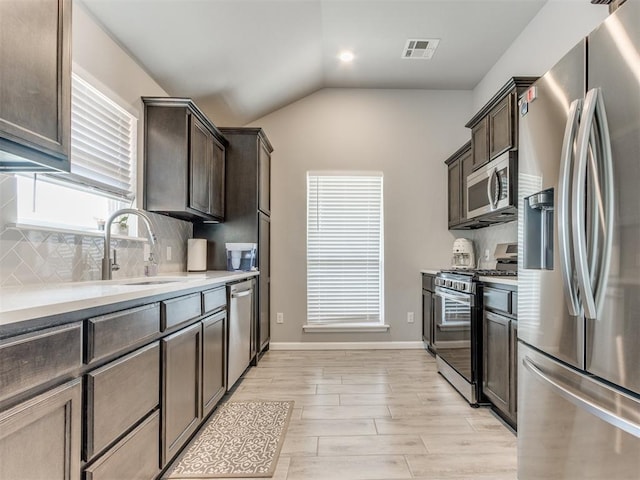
(491, 190)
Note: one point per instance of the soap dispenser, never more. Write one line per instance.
(150, 266)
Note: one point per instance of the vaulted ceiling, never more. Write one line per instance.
(241, 59)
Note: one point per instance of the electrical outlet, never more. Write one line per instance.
(168, 253)
(486, 255)
(410, 317)
(146, 250)
(279, 317)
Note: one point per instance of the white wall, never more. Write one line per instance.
(406, 134)
(557, 27)
(102, 62)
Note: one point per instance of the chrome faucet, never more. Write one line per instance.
(107, 264)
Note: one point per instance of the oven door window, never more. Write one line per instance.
(453, 330)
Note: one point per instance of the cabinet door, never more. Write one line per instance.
(454, 193)
(480, 143)
(135, 457)
(264, 172)
(501, 134)
(35, 82)
(513, 373)
(496, 360)
(466, 161)
(427, 318)
(118, 395)
(40, 438)
(217, 180)
(181, 388)
(213, 360)
(264, 282)
(200, 167)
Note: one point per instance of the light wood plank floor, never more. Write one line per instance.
(377, 415)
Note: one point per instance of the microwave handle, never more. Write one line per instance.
(493, 189)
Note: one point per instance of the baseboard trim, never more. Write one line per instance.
(346, 345)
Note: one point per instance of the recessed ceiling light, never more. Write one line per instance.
(346, 56)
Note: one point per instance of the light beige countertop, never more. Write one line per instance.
(431, 271)
(20, 304)
(513, 281)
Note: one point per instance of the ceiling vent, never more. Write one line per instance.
(420, 48)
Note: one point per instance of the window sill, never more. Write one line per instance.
(73, 231)
(346, 328)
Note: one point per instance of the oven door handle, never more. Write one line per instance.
(464, 298)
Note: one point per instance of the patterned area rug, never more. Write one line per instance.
(241, 439)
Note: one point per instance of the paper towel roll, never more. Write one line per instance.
(196, 255)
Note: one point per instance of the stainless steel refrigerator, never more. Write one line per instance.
(579, 261)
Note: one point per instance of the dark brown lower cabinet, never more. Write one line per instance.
(193, 380)
(181, 389)
(119, 395)
(513, 373)
(135, 457)
(264, 282)
(500, 343)
(496, 360)
(213, 365)
(40, 438)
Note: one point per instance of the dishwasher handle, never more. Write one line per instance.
(241, 294)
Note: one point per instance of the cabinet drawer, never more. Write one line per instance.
(214, 299)
(119, 395)
(29, 360)
(180, 310)
(135, 457)
(497, 299)
(112, 333)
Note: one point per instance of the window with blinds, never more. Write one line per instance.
(344, 248)
(103, 165)
(103, 146)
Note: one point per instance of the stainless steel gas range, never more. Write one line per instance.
(458, 328)
(457, 332)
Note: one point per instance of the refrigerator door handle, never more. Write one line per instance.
(606, 201)
(593, 139)
(602, 413)
(564, 198)
(578, 205)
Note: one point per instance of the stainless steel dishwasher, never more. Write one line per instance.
(240, 329)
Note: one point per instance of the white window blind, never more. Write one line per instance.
(344, 248)
(103, 142)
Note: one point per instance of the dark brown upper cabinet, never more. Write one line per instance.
(459, 166)
(502, 136)
(494, 129)
(35, 85)
(184, 161)
(248, 200)
(480, 143)
(264, 175)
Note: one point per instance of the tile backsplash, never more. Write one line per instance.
(487, 238)
(33, 255)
